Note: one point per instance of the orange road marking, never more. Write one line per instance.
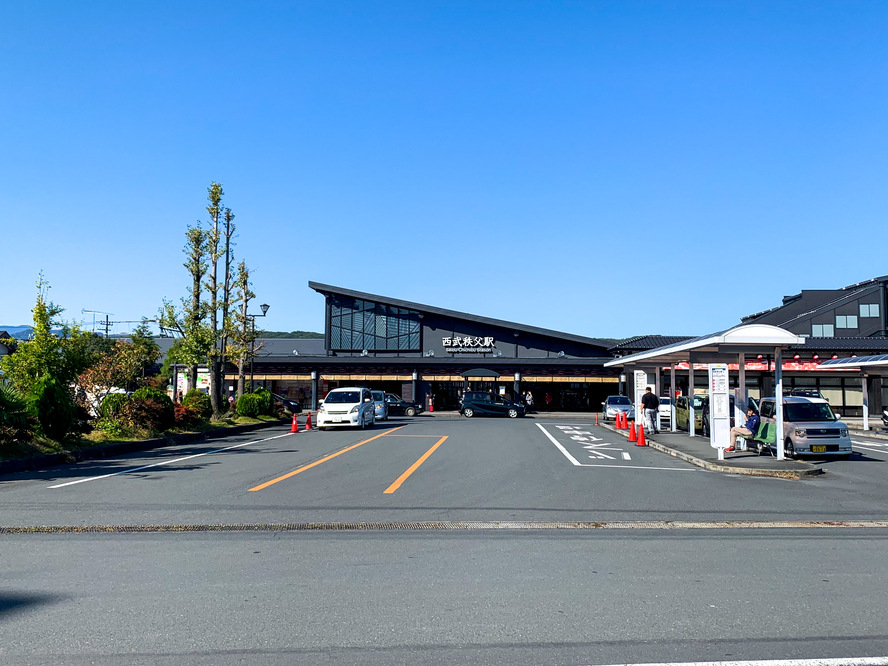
(397, 484)
(318, 462)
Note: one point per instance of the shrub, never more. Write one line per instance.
(200, 401)
(266, 401)
(187, 416)
(114, 426)
(150, 414)
(51, 403)
(113, 404)
(249, 404)
(166, 420)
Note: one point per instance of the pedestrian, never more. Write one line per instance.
(548, 400)
(746, 430)
(528, 400)
(651, 405)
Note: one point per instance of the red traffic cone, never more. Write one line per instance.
(295, 426)
(632, 437)
(641, 441)
(619, 421)
(622, 425)
(596, 418)
(308, 422)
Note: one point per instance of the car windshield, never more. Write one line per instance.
(698, 402)
(377, 396)
(619, 400)
(342, 396)
(808, 411)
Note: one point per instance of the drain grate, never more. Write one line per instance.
(446, 525)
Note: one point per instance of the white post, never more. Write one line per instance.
(672, 398)
(658, 392)
(778, 400)
(691, 432)
(865, 404)
(743, 398)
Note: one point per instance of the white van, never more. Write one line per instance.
(351, 406)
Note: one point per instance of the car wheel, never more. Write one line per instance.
(513, 413)
(468, 412)
(788, 448)
(410, 411)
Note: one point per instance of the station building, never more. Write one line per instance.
(430, 354)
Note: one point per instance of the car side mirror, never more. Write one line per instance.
(366, 399)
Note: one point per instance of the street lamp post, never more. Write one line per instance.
(252, 317)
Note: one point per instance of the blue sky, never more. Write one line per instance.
(601, 168)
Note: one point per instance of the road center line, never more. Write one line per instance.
(322, 460)
(401, 479)
(169, 462)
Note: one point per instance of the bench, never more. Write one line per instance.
(766, 436)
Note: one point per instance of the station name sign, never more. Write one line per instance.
(468, 345)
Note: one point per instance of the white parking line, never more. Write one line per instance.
(577, 463)
(167, 462)
(857, 661)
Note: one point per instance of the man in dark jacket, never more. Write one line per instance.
(748, 430)
(651, 405)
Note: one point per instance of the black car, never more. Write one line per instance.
(478, 403)
(398, 407)
(286, 403)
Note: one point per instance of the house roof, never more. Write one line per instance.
(644, 342)
(429, 309)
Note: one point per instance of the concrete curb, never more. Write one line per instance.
(726, 469)
(119, 448)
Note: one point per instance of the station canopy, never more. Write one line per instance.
(716, 347)
(875, 364)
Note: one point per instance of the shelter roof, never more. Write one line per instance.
(748, 338)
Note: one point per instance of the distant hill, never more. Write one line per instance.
(292, 335)
(18, 332)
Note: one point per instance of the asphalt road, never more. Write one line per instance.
(432, 541)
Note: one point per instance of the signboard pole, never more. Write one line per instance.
(719, 408)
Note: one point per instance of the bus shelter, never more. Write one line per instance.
(867, 366)
(730, 346)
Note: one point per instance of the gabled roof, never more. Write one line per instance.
(429, 309)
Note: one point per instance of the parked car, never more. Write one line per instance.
(617, 403)
(809, 427)
(290, 405)
(704, 406)
(682, 416)
(665, 408)
(398, 407)
(806, 393)
(885, 417)
(351, 406)
(380, 408)
(478, 403)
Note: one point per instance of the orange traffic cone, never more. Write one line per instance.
(295, 426)
(632, 437)
(641, 441)
(623, 424)
(596, 418)
(618, 423)
(308, 422)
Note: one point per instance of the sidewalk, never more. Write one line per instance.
(697, 450)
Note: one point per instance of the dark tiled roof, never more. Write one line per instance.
(645, 342)
(844, 344)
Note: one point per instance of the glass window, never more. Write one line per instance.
(356, 325)
(822, 331)
(853, 393)
(846, 321)
(869, 309)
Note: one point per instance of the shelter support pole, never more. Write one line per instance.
(778, 400)
(657, 391)
(691, 415)
(672, 425)
(743, 397)
(865, 402)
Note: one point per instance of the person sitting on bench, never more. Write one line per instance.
(747, 430)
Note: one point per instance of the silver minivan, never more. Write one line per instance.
(809, 427)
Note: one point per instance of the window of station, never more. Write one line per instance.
(822, 331)
(869, 309)
(846, 321)
(356, 325)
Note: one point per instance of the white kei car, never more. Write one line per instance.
(351, 406)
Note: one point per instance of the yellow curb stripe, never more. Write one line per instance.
(401, 479)
(322, 460)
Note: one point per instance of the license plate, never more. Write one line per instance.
(337, 420)
(818, 449)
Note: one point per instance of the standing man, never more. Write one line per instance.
(651, 405)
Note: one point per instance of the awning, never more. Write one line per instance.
(479, 372)
(878, 363)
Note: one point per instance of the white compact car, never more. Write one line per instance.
(351, 406)
(809, 426)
